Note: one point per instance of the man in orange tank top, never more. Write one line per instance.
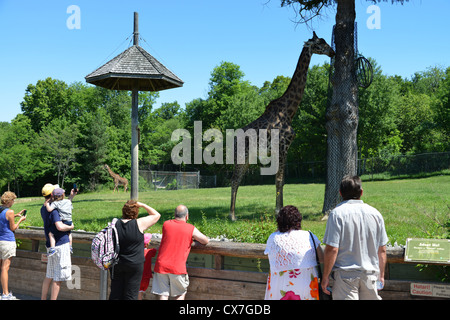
(170, 273)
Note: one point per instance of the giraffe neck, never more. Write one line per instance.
(292, 97)
(111, 173)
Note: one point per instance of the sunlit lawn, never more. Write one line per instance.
(408, 207)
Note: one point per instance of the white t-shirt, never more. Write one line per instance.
(291, 250)
(358, 230)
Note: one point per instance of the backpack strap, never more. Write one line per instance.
(116, 235)
(315, 253)
(117, 245)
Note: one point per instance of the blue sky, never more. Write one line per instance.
(192, 37)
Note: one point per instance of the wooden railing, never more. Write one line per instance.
(205, 283)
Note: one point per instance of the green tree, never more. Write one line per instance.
(167, 111)
(45, 101)
(242, 108)
(226, 82)
(83, 99)
(92, 147)
(146, 102)
(377, 130)
(156, 132)
(434, 83)
(442, 111)
(195, 111)
(428, 81)
(17, 163)
(275, 89)
(117, 105)
(309, 125)
(249, 102)
(58, 142)
(414, 119)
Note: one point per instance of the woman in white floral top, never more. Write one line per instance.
(292, 258)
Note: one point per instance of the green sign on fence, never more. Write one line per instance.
(428, 250)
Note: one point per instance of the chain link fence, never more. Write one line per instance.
(404, 165)
(175, 180)
(171, 180)
(375, 168)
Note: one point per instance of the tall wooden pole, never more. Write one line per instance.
(135, 125)
(136, 29)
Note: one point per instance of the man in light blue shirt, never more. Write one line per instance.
(355, 252)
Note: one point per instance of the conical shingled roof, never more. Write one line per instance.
(134, 66)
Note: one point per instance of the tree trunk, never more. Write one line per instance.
(342, 112)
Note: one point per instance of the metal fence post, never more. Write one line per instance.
(103, 284)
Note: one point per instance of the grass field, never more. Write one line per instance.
(411, 208)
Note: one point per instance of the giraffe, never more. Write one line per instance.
(117, 180)
(278, 115)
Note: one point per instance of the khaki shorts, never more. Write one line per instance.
(7, 249)
(167, 284)
(354, 285)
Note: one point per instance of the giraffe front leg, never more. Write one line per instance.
(232, 215)
(279, 183)
(279, 178)
(238, 173)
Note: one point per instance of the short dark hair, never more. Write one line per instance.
(351, 187)
(289, 218)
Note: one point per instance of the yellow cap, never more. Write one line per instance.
(48, 189)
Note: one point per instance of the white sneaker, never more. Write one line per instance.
(8, 296)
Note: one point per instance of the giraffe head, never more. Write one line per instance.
(319, 46)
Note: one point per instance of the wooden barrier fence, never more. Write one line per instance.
(216, 283)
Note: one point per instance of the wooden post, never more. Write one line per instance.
(136, 29)
(34, 245)
(218, 262)
(103, 284)
(134, 146)
(135, 125)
